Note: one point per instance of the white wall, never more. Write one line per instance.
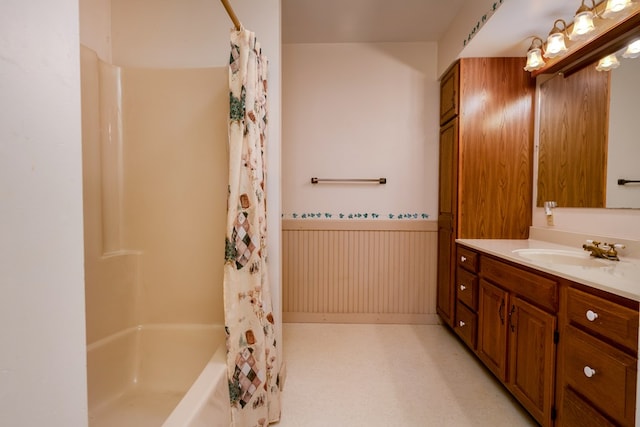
(42, 335)
(359, 110)
(464, 27)
(623, 148)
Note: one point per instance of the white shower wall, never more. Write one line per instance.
(188, 34)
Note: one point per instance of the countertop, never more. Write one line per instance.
(618, 277)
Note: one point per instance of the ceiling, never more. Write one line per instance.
(366, 21)
(507, 33)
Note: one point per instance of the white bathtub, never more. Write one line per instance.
(159, 375)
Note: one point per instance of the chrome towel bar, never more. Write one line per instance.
(315, 180)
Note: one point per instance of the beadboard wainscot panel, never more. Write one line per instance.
(359, 271)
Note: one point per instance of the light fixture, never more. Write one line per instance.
(534, 55)
(608, 63)
(615, 7)
(555, 42)
(633, 50)
(583, 21)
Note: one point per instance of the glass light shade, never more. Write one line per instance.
(555, 45)
(633, 50)
(614, 7)
(534, 59)
(582, 24)
(608, 63)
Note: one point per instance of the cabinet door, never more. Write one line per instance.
(448, 170)
(446, 264)
(532, 358)
(492, 328)
(449, 94)
(446, 222)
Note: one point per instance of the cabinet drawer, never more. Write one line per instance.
(467, 288)
(468, 259)
(532, 287)
(602, 374)
(466, 324)
(604, 318)
(577, 412)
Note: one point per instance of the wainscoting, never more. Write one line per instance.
(352, 271)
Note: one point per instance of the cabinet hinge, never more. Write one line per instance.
(556, 337)
(554, 413)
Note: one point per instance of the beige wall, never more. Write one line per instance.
(161, 228)
(42, 335)
(357, 110)
(195, 34)
(176, 173)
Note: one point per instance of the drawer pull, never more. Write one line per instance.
(463, 287)
(463, 258)
(591, 315)
(589, 372)
(461, 323)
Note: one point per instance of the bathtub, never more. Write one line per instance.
(159, 375)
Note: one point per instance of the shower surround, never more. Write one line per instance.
(155, 172)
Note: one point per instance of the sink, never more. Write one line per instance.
(561, 257)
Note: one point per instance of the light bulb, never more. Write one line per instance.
(633, 50)
(614, 7)
(608, 63)
(555, 45)
(534, 59)
(582, 24)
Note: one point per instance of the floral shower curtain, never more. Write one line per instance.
(252, 357)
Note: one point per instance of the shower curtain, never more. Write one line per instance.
(252, 356)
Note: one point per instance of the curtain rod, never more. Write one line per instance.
(232, 14)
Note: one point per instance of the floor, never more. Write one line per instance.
(388, 375)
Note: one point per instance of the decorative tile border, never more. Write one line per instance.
(365, 215)
(483, 20)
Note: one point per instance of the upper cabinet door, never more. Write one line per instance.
(449, 94)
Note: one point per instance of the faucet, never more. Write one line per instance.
(606, 251)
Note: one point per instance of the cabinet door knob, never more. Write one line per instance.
(591, 315)
(589, 372)
(463, 258)
(463, 287)
(461, 323)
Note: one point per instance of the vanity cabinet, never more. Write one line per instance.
(566, 351)
(485, 165)
(516, 333)
(598, 362)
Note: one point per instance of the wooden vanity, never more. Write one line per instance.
(567, 351)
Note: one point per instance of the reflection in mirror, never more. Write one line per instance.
(624, 139)
(586, 147)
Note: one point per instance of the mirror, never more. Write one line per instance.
(588, 138)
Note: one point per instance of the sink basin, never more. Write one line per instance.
(561, 257)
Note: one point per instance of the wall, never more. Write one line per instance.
(464, 27)
(360, 111)
(42, 361)
(624, 150)
(195, 35)
(175, 192)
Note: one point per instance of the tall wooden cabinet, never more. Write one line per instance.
(486, 160)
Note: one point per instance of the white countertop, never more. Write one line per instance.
(618, 277)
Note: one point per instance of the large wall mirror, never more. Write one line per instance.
(589, 137)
